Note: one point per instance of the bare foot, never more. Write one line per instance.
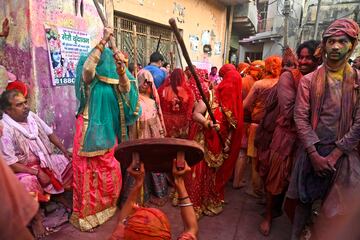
(265, 227)
(38, 229)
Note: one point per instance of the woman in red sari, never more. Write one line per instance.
(177, 102)
(206, 183)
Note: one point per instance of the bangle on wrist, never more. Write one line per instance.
(37, 172)
(183, 198)
(206, 124)
(185, 204)
(100, 47)
(103, 42)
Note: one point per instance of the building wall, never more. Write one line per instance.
(271, 48)
(25, 54)
(249, 48)
(330, 10)
(196, 17)
(15, 50)
(276, 19)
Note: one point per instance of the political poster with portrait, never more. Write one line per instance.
(65, 47)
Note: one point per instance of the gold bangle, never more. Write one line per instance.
(207, 124)
(100, 47)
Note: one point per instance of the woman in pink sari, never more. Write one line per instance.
(149, 125)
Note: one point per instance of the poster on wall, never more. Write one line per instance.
(64, 48)
(217, 48)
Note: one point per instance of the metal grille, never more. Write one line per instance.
(147, 39)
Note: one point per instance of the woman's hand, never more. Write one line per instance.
(108, 32)
(178, 174)
(139, 175)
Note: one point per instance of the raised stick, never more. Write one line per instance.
(135, 50)
(180, 40)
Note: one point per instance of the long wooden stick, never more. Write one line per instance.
(180, 40)
(158, 44)
(135, 50)
(102, 17)
(178, 51)
(171, 61)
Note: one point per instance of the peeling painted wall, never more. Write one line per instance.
(193, 16)
(24, 53)
(15, 51)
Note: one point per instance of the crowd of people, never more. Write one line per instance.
(295, 119)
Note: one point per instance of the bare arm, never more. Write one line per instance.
(91, 62)
(21, 168)
(187, 212)
(127, 209)
(250, 98)
(124, 83)
(56, 141)
(199, 111)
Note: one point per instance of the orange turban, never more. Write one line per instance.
(256, 69)
(243, 67)
(273, 67)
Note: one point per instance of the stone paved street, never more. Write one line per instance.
(238, 221)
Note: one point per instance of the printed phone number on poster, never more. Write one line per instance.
(64, 81)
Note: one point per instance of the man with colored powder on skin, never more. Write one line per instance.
(327, 117)
(276, 169)
(255, 102)
(253, 72)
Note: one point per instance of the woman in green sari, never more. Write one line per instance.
(108, 98)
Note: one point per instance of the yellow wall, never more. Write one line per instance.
(199, 16)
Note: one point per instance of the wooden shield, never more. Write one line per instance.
(157, 154)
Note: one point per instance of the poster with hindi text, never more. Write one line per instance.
(64, 48)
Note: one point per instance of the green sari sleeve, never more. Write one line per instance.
(132, 108)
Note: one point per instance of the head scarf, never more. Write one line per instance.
(272, 67)
(146, 75)
(13, 83)
(229, 93)
(205, 87)
(289, 59)
(243, 68)
(147, 223)
(342, 26)
(177, 83)
(259, 67)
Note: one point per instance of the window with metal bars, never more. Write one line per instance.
(148, 35)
